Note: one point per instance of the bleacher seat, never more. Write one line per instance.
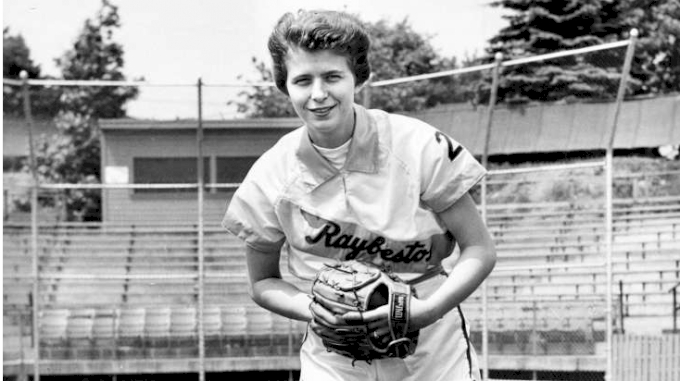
(157, 331)
(183, 325)
(284, 337)
(131, 332)
(212, 328)
(53, 338)
(104, 332)
(79, 332)
(260, 330)
(234, 325)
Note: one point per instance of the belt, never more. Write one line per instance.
(430, 273)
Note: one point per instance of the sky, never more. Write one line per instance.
(180, 41)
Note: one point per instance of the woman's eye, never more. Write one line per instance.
(302, 82)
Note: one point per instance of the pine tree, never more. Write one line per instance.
(545, 26)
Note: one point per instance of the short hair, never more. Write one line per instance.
(320, 30)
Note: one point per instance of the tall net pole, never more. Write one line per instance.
(485, 163)
(201, 275)
(609, 190)
(34, 226)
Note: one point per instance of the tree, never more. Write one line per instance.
(397, 51)
(544, 26)
(73, 155)
(657, 57)
(17, 58)
(263, 101)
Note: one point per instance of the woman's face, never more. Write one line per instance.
(321, 87)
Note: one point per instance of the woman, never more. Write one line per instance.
(364, 185)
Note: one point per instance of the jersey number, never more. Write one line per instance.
(453, 153)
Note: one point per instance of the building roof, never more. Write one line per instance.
(142, 124)
(648, 122)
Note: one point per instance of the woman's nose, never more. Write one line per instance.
(319, 92)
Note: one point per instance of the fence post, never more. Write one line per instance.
(609, 189)
(201, 275)
(485, 161)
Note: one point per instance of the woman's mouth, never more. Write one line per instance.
(321, 111)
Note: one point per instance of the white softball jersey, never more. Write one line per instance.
(380, 207)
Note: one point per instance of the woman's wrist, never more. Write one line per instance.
(423, 313)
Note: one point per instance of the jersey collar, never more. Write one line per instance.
(363, 150)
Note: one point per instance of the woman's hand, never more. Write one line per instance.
(332, 326)
(377, 323)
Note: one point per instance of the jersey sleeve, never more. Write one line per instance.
(251, 216)
(448, 171)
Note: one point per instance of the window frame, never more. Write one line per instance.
(137, 165)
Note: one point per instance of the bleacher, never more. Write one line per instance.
(115, 292)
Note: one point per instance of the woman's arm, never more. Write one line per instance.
(477, 259)
(270, 291)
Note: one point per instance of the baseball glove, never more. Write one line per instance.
(356, 286)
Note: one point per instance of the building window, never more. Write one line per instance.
(175, 170)
(233, 169)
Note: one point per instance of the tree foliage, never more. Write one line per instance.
(16, 58)
(539, 27)
(657, 58)
(397, 51)
(543, 26)
(96, 56)
(263, 101)
(73, 155)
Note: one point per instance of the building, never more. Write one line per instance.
(153, 152)
(165, 152)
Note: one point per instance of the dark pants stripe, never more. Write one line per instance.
(467, 340)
